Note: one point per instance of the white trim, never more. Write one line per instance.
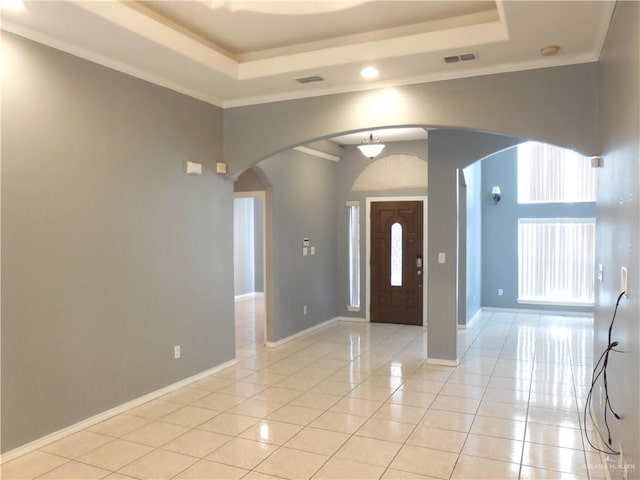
(302, 333)
(248, 296)
(442, 361)
(210, 98)
(87, 422)
(566, 313)
(353, 319)
(425, 264)
(316, 153)
(416, 79)
(112, 63)
(465, 326)
(557, 304)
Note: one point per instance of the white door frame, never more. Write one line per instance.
(425, 263)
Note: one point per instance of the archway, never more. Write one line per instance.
(251, 257)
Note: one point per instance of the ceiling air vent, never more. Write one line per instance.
(311, 79)
(465, 57)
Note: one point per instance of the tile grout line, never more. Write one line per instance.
(485, 388)
(577, 405)
(526, 423)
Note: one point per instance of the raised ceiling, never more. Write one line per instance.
(238, 53)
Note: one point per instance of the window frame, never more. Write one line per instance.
(354, 281)
(575, 301)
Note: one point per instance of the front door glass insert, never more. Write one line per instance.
(396, 255)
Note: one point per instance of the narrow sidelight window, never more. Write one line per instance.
(354, 256)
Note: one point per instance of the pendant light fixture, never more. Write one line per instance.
(371, 148)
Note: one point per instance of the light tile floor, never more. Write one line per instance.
(356, 401)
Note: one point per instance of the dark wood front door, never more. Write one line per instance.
(397, 262)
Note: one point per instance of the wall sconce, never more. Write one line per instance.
(495, 191)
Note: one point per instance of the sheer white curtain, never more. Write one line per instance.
(556, 260)
(547, 173)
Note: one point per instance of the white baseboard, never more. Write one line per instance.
(302, 333)
(565, 313)
(353, 319)
(442, 361)
(100, 417)
(249, 296)
(464, 326)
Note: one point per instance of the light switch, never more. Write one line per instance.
(221, 168)
(305, 251)
(442, 257)
(313, 250)
(600, 272)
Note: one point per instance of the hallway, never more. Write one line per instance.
(355, 400)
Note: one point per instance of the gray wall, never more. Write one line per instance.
(618, 223)
(111, 254)
(473, 246)
(449, 150)
(500, 232)
(303, 206)
(554, 105)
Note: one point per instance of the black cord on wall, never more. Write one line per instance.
(600, 370)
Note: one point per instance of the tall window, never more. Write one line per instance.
(354, 256)
(555, 255)
(550, 174)
(556, 260)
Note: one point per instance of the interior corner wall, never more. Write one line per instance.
(473, 197)
(618, 227)
(111, 254)
(500, 232)
(302, 206)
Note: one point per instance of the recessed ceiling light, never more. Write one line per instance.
(549, 50)
(369, 72)
(11, 4)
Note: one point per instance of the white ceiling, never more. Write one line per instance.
(246, 52)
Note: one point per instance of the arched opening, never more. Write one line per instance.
(251, 252)
(310, 185)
